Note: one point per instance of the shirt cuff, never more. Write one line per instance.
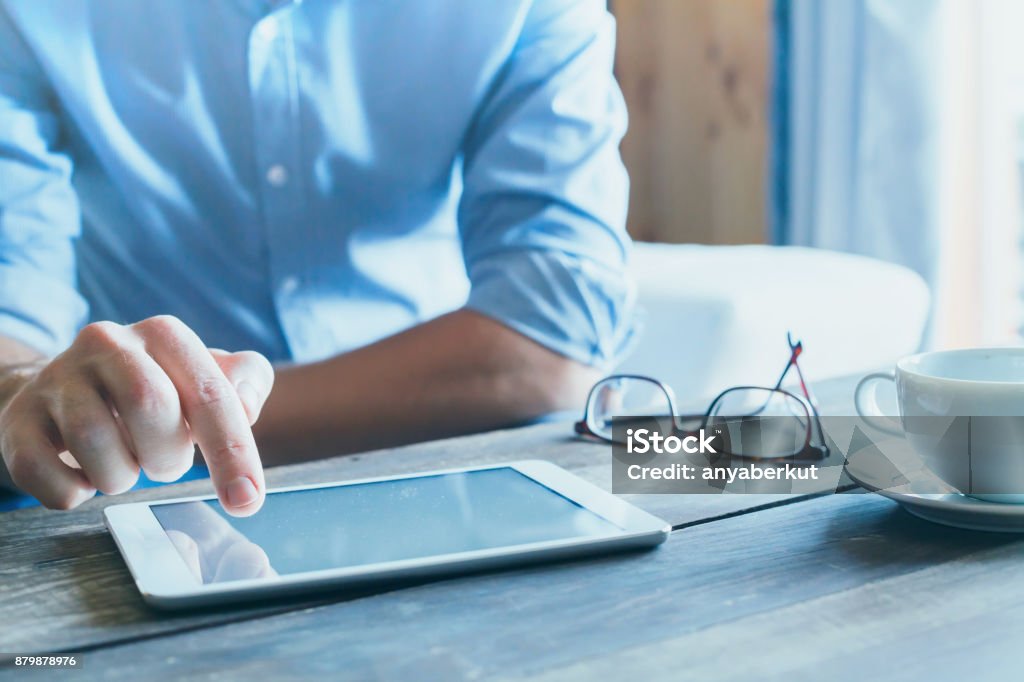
(38, 311)
(573, 306)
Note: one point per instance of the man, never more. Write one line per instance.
(415, 208)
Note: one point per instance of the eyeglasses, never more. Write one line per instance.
(754, 422)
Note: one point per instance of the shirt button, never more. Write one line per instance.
(267, 30)
(289, 285)
(277, 175)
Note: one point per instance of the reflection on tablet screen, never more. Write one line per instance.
(368, 523)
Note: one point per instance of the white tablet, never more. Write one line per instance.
(189, 552)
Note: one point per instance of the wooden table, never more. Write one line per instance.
(748, 586)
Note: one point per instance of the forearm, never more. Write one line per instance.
(460, 373)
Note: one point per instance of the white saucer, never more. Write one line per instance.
(906, 480)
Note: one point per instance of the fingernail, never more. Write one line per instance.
(241, 492)
(250, 399)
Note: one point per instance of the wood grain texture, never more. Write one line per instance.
(758, 579)
(65, 585)
(695, 75)
(958, 620)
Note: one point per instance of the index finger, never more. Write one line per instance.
(214, 412)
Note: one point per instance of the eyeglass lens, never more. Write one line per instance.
(630, 402)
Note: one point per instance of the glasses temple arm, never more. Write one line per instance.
(804, 387)
(794, 352)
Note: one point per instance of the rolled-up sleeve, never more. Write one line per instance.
(39, 215)
(543, 209)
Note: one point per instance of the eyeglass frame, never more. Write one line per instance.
(810, 404)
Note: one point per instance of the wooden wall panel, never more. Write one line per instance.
(695, 74)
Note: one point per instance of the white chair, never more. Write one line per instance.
(717, 316)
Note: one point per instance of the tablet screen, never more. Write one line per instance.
(368, 523)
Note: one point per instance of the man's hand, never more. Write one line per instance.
(123, 398)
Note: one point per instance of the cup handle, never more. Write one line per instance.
(869, 410)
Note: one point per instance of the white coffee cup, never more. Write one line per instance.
(963, 412)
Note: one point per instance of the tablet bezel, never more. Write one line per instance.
(164, 580)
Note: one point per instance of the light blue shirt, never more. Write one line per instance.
(304, 178)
